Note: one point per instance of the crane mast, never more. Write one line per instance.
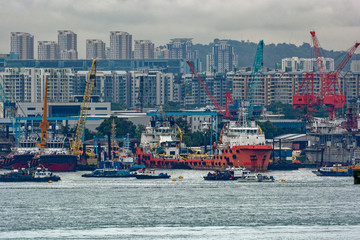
(75, 145)
(44, 123)
(255, 78)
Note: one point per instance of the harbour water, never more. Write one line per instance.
(305, 206)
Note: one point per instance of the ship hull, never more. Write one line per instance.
(58, 162)
(252, 157)
(18, 161)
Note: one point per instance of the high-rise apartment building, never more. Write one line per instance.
(67, 41)
(95, 49)
(143, 49)
(355, 66)
(222, 58)
(180, 48)
(120, 45)
(28, 84)
(48, 50)
(22, 44)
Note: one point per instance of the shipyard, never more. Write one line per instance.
(179, 120)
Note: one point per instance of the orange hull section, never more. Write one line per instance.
(252, 157)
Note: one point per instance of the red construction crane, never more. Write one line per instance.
(333, 97)
(208, 93)
(305, 95)
(228, 99)
(227, 96)
(330, 93)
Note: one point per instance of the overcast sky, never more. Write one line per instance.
(336, 22)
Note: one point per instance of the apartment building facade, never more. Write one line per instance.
(120, 45)
(95, 49)
(143, 49)
(22, 44)
(48, 50)
(67, 41)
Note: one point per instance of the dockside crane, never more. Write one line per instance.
(333, 97)
(228, 97)
(330, 92)
(77, 142)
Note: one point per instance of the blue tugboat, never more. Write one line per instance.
(29, 175)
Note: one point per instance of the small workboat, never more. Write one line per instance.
(109, 173)
(256, 178)
(29, 175)
(228, 174)
(150, 174)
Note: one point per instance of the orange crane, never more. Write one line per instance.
(44, 125)
(228, 96)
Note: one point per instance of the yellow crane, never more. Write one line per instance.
(76, 143)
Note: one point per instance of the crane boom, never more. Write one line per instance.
(90, 81)
(343, 63)
(44, 123)
(208, 93)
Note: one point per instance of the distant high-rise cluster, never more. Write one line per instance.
(295, 64)
(121, 47)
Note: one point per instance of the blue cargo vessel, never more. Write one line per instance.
(336, 171)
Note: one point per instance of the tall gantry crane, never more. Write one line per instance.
(330, 93)
(255, 78)
(76, 144)
(333, 97)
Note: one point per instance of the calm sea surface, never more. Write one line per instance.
(305, 206)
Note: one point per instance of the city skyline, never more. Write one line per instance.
(336, 22)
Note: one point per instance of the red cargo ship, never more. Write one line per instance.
(242, 145)
(54, 157)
